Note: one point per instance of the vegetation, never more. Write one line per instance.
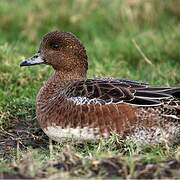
(131, 39)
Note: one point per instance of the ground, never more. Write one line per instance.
(130, 39)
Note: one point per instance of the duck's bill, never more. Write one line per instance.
(34, 60)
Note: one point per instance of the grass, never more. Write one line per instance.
(137, 40)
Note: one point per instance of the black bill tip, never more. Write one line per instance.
(25, 63)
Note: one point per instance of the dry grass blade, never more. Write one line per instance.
(147, 60)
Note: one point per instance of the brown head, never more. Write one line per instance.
(63, 51)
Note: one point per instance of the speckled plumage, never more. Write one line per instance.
(71, 106)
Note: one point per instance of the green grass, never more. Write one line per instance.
(137, 40)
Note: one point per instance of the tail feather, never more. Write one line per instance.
(173, 91)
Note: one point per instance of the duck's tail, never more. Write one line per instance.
(173, 91)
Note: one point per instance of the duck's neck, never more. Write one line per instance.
(56, 83)
(61, 78)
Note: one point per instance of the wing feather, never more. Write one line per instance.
(118, 91)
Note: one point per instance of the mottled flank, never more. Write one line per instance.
(71, 106)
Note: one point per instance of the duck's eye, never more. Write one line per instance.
(55, 46)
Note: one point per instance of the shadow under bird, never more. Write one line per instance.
(69, 105)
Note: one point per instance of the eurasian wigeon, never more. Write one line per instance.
(71, 106)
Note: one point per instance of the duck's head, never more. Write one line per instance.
(63, 51)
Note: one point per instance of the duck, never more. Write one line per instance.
(71, 106)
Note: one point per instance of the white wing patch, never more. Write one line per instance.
(171, 116)
(84, 100)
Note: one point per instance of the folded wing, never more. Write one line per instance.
(106, 91)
